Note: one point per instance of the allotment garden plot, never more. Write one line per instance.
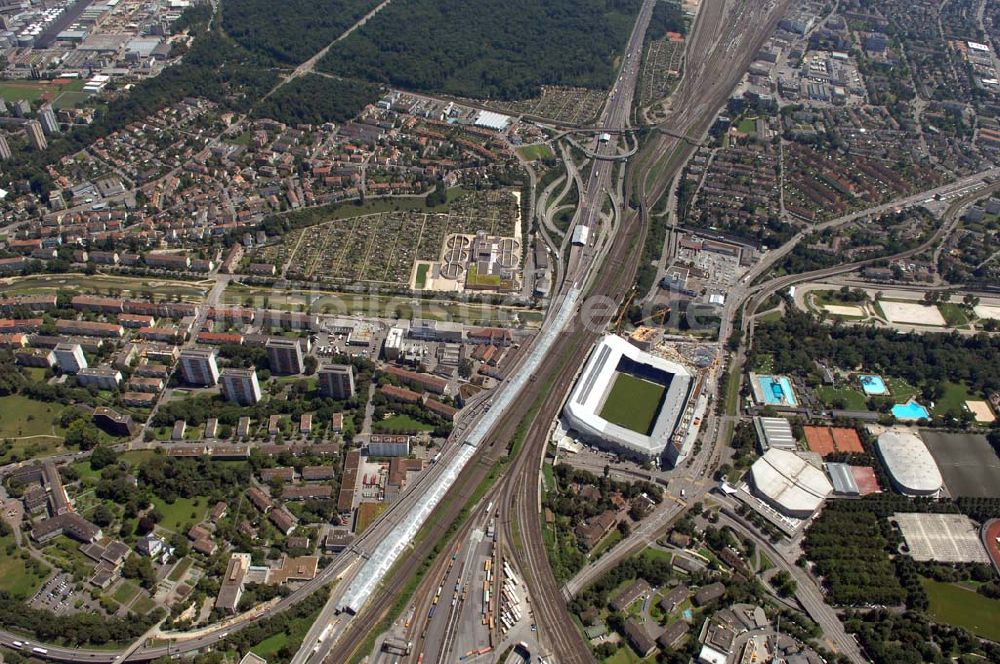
(384, 248)
(661, 68)
(570, 105)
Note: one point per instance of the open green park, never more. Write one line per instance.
(952, 604)
(535, 152)
(19, 574)
(181, 512)
(162, 289)
(28, 428)
(633, 403)
(401, 424)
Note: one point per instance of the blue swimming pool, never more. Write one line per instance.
(777, 390)
(910, 410)
(873, 385)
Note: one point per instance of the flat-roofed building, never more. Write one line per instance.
(240, 386)
(198, 367)
(231, 588)
(69, 358)
(103, 377)
(115, 423)
(284, 356)
(337, 381)
(388, 445)
(774, 432)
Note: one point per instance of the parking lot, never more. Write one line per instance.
(60, 596)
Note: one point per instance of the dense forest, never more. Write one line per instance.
(667, 17)
(315, 99)
(291, 31)
(851, 554)
(478, 48)
(798, 339)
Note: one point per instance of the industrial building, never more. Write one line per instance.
(789, 483)
(240, 386)
(198, 367)
(909, 463)
(612, 358)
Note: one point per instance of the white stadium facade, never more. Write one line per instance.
(611, 357)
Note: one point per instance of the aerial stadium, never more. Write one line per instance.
(630, 401)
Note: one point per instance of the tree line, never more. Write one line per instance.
(798, 339)
(315, 99)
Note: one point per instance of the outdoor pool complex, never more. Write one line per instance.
(910, 410)
(776, 390)
(873, 386)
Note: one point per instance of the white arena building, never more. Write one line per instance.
(789, 484)
(910, 464)
(611, 358)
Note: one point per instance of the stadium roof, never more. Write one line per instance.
(583, 408)
(909, 463)
(790, 483)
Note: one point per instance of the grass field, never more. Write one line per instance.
(15, 576)
(954, 398)
(748, 125)
(953, 314)
(61, 96)
(422, 270)
(400, 424)
(633, 403)
(65, 554)
(98, 283)
(606, 544)
(21, 416)
(537, 151)
(657, 556)
(178, 514)
(125, 592)
(954, 605)
(181, 568)
(369, 515)
(853, 399)
(143, 605)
